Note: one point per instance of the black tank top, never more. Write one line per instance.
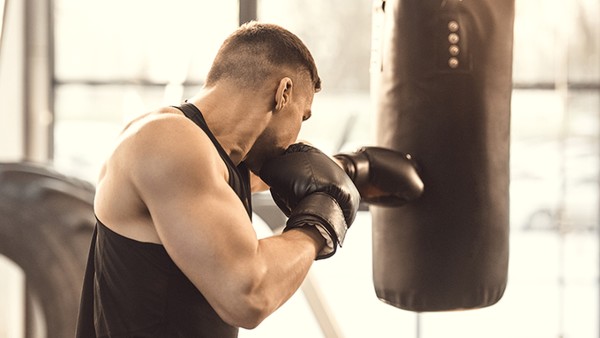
(134, 289)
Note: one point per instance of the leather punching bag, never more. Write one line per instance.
(442, 81)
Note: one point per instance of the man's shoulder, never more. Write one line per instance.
(164, 130)
(167, 143)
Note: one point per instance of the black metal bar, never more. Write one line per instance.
(248, 11)
(37, 29)
(51, 75)
(26, 83)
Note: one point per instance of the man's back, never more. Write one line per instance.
(135, 287)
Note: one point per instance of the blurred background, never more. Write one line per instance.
(73, 72)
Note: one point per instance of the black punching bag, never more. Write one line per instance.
(442, 81)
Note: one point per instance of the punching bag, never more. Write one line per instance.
(442, 81)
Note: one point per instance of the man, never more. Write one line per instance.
(175, 254)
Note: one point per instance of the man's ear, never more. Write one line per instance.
(284, 91)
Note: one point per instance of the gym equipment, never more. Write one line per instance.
(442, 81)
(46, 222)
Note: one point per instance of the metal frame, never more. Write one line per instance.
(248, 11)
(38, 86)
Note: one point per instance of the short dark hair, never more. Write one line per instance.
(256, 50)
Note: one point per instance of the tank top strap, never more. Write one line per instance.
(194, 114)
(239, 176)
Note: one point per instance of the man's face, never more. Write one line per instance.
(284, 127)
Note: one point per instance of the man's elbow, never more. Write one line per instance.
(248, 303)
(248, 312)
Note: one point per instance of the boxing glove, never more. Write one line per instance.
(312, 190)
(384, 177)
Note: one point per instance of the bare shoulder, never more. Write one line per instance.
(169, 146)
(157, 156)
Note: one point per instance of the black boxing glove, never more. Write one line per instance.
(384, 177)
(312, 190)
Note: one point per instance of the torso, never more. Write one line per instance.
(132, 286)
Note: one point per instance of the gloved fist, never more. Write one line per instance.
(384, 177)
(311, 189)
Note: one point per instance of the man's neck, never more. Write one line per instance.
(235, 120)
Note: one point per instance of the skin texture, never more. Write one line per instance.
(165, 183)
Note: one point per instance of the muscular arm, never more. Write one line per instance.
(205, 229)
(256, 184)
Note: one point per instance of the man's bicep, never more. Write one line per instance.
(211, 240)
(200, 220)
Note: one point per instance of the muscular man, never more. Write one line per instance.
(174, 253)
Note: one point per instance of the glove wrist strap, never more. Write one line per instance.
(323, 212)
